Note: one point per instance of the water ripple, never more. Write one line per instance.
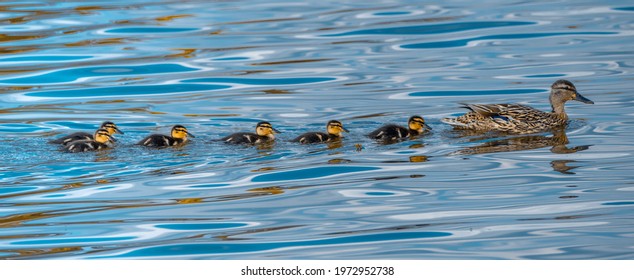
(467, 42)
(432, 28)
(85, 73)
(210, 249)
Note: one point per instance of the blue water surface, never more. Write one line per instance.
(219, 67)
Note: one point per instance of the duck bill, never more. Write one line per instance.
(426, 126)
(275, 130)
(112, 139)
(344, 129)
(118, 130)
(190, 135)
(581, 98)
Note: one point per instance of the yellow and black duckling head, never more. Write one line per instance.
(111, 127)
(103, 136)
(265, 129)
(180, 132)
(417, 123)
(336, 128)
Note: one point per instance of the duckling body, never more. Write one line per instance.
(517, 118)
(334, 132)
(392, 132)
(99, 141)
(77, 136)
(264, 133)
(178, 136)
(109, 126)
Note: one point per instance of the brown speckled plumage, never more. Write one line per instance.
(517, 118)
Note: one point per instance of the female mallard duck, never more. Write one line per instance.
(391, 132)
(264, 132)
(178, 136)
(99, 141)
(110, 126)
(516, 118)
(334, 131)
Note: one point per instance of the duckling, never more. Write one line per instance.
(520, 119)
(178, 136)
(264, 133)
(334, 131)
(110, 126)
(392, 132)
(99, 141)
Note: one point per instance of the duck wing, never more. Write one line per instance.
(241, 138)
(72, 137)
(158, 140)
(84, 146)
(312, 137)
(504, 111)
(389, 132)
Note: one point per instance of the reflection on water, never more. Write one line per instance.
(557, 142)
(562, 166)
(218, 67)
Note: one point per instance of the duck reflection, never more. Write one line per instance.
(265, 146)
(562, 167)
(558, 143)
(333, 145)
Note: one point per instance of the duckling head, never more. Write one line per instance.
(102, 135)
(111, 127)
(180, 132)
(265, 129)
(417, 123)
(335, 128)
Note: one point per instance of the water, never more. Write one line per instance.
(220, 67)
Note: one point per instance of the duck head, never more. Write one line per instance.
(102, 135)
(335, 128)
(111, 127)
(563, 91)
(417, 123)
(180, 132)
(265, 129)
